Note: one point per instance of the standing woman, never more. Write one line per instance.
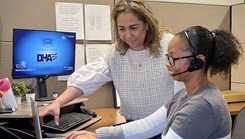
(134, 64)
(197, 112)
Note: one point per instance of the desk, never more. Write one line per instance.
(235, 107)
(110, 116)
(21, 117)
(24, 110)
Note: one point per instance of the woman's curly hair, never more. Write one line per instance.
(220, 48)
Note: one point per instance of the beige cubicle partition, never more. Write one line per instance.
(238, 28)
(179, 16)
(40, 14)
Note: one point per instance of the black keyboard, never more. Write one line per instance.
(68, 121)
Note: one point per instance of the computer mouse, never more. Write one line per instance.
(88, 112)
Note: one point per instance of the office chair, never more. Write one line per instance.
(238, 131)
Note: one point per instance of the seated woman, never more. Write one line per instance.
(199, 111)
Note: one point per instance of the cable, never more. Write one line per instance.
(8, 132)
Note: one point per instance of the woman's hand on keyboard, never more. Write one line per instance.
(81, 135)
(52, 109)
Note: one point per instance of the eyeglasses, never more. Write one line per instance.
(172, 60)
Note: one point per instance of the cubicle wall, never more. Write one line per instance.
(238, 22)
(179, 16)
(40, 14)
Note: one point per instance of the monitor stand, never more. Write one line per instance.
(42, 89)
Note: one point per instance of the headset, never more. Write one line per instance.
(196, 63)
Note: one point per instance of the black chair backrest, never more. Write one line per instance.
(238, 131)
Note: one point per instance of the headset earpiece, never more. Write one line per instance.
(196, 64)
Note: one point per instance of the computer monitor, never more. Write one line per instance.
(42, 53)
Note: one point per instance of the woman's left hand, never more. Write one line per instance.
(81, 135)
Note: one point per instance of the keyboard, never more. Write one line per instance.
(67, 121)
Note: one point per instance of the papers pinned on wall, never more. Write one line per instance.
(80, 58)
(97, 22)
(94, 51)
(69, 17)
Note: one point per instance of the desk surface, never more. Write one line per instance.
(235, 107)
(24, 110)
(110, 116)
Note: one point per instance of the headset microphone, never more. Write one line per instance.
(179, 73)
(195, 65)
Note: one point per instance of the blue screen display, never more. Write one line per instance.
(38, 53)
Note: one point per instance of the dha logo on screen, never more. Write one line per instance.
(46, 57)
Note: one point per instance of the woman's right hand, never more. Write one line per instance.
(52, 109)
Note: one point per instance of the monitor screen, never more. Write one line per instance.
(38, 53)
(42, 53)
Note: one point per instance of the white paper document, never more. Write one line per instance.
(80, 56)
(69, 17)
(94, 51)
(97, 22)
